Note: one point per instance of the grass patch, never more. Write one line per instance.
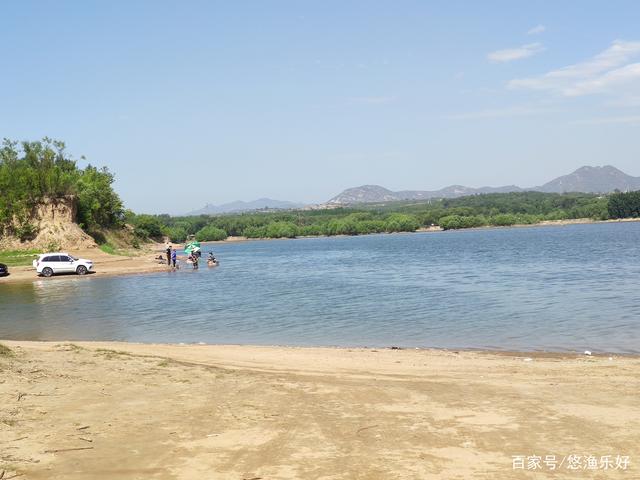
(108, 248)
(18, 258)
(5, 351)
(114, 249)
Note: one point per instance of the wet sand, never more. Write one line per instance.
(109, 410)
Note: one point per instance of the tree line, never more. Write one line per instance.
(497, 209)
(31, 172)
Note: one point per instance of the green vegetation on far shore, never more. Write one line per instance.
(34, 172)
(498, 209)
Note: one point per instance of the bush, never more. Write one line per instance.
(556, 215)
(26, 231)
(211, 234)
(255, 232)
(311, 230)
(503, 220)
(453, 222)
(176, 234)
(147, 226)
(365, 227)
(401, 222)
(281, 230)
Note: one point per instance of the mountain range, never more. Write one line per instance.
(240, 206)
(585, 179)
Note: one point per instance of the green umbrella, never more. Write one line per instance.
(191, 246)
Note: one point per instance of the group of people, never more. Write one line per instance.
(194, 258)
(172, 256)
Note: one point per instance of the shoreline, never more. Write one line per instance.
(108, 265)
(105, 265)
(506, 352)
(435, 229)
(198, 411)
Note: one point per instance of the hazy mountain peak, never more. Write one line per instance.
(241, 206)
(364, 194)
(588, 179)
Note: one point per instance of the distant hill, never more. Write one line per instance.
(240, 206)
(586, 179)
(592, 180)
(376, 193)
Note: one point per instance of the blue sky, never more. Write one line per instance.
(207, 102)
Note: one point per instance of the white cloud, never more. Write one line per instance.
(514, 111)
(518, 53)
(536, 30)
(614, 78)
(609, 68)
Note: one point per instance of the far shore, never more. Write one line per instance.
(190, 412)
(435, 228)
(145, 260)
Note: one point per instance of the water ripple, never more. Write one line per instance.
(569, 288)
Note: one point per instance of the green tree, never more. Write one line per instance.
(98, 204)
(624, 205)
(210, 234)
(31, 172)
(148, 226)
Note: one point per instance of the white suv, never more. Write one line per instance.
(49, 263)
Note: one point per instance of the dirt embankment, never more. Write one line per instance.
(56, 228)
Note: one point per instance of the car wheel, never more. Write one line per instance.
(81, 270)
(47, 272)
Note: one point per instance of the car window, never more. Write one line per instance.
(64, 258)
(51, 258)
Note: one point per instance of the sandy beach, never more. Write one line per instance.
(104, 265)
(136, 411)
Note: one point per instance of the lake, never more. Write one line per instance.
(541, 288)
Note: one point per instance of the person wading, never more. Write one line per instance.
(168, 254)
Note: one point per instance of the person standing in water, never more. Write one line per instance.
(174, 255)
(168, 254)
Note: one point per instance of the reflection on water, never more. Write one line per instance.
(550, 288)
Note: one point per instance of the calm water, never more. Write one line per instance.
(546, 288)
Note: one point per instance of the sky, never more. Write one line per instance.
(201, 102)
